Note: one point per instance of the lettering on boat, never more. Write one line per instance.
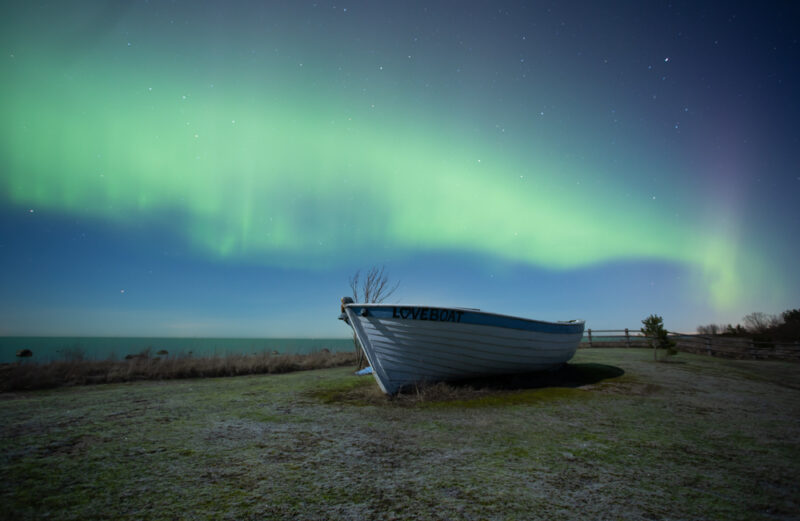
(434, 314)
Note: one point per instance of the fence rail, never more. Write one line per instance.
(712, 345)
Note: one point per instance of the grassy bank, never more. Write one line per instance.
(616, 437)
(28, 376)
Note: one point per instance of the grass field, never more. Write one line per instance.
(617, 436)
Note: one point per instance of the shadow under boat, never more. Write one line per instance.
(569, 375)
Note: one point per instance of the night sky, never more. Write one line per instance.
(191, 168)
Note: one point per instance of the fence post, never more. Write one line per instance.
(627, 338)
(590, 337)
(708, 345)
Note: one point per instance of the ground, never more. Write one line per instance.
(616, 436)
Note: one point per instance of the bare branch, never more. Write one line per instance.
(374, 287)
(760, 323)
(354, 285)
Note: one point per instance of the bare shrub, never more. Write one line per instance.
(759, 323)
(373, 287)
(710, 329)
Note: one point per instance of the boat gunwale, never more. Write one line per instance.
(576, 322)
(471, 310)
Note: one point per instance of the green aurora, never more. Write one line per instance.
(278, 168)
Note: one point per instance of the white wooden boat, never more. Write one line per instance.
(413, 344)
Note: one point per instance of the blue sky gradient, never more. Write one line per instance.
(206, 169)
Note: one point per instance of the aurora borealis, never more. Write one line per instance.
(200, 168)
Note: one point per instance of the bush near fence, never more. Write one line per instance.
(712, 345)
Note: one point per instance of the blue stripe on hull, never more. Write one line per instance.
(464, 316)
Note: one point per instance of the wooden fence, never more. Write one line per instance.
(712, 345)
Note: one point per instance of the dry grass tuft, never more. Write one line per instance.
(27, 376)
(440, 392)
(365, 391)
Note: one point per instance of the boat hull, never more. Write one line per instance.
(406, 345)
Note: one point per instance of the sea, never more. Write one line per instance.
(49, 349)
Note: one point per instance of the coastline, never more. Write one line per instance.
(28, 375)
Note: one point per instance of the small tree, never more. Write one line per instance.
(654, 330)
(791, 316)
(790, 329)
(373, 287)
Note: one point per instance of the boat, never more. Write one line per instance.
(408, 345)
